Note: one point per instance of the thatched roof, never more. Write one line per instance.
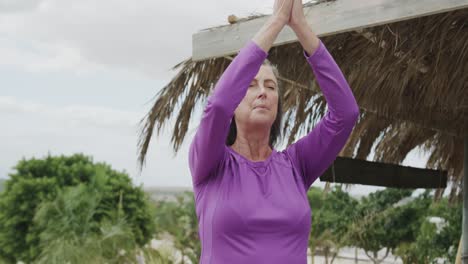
(410, 79)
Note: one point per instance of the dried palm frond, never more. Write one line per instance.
(410, 79)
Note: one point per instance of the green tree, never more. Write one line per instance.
(448, 237)
(39, 181)
(71, 235)
(382, 224)
(332, 213)
(433, 242)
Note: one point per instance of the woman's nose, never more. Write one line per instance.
(262, 92)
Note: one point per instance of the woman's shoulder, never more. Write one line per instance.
(284, 158)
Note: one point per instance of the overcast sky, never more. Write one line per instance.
(77, 76)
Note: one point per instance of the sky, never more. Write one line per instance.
(78, 76)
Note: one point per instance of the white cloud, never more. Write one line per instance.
(109, 135)
(9, 6)
(145, 36)
(44, 57)
(73, 115)
(69, 36)
(65, 36)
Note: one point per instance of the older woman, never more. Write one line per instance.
(251, 200)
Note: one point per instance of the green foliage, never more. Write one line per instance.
(179, 220)
(383, 199)
(79, 197)
(71, 235)
(71, 210)
(381, 225)
(332, 213)
(377, 221)
(405, 229)
(432, 242)
(2, 183)
(315, 196)
(337, 212)
(18, 204)
(449, 236)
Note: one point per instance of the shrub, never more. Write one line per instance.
(90, 191)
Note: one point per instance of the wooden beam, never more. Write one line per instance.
(356, 171)
(326, 19)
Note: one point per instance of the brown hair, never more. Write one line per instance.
(275, 131)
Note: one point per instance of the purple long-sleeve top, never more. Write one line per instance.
(258, 211)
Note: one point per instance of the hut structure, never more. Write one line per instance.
(405, 60)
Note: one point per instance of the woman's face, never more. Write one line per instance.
(260, 105)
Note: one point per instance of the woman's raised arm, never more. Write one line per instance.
(316, 151)
(207, 149)
(270, 30)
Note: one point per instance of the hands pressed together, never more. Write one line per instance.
(289, 12)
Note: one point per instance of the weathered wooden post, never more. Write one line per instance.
(465, 205)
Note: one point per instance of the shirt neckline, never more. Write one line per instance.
(260, 163)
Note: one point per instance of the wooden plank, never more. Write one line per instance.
(326, 19)
(356, 171)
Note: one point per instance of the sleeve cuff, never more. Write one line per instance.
(256, 50)
(316, 53)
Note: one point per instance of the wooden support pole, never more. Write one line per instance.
(458, 257)
(465, 205)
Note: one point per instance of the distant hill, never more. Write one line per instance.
(166, 193)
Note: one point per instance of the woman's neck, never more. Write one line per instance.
(255, 150)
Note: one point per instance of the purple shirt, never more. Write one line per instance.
(257, 211)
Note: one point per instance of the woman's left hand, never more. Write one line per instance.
(297, 17)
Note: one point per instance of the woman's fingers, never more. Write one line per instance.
(297, 13)
(282, 9)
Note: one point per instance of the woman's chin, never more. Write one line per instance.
(262, 120)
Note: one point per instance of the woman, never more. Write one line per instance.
(251, 200)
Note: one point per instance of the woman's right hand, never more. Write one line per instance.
(265, 37)
(282, 10)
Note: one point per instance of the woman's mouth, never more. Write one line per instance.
(261, 107)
